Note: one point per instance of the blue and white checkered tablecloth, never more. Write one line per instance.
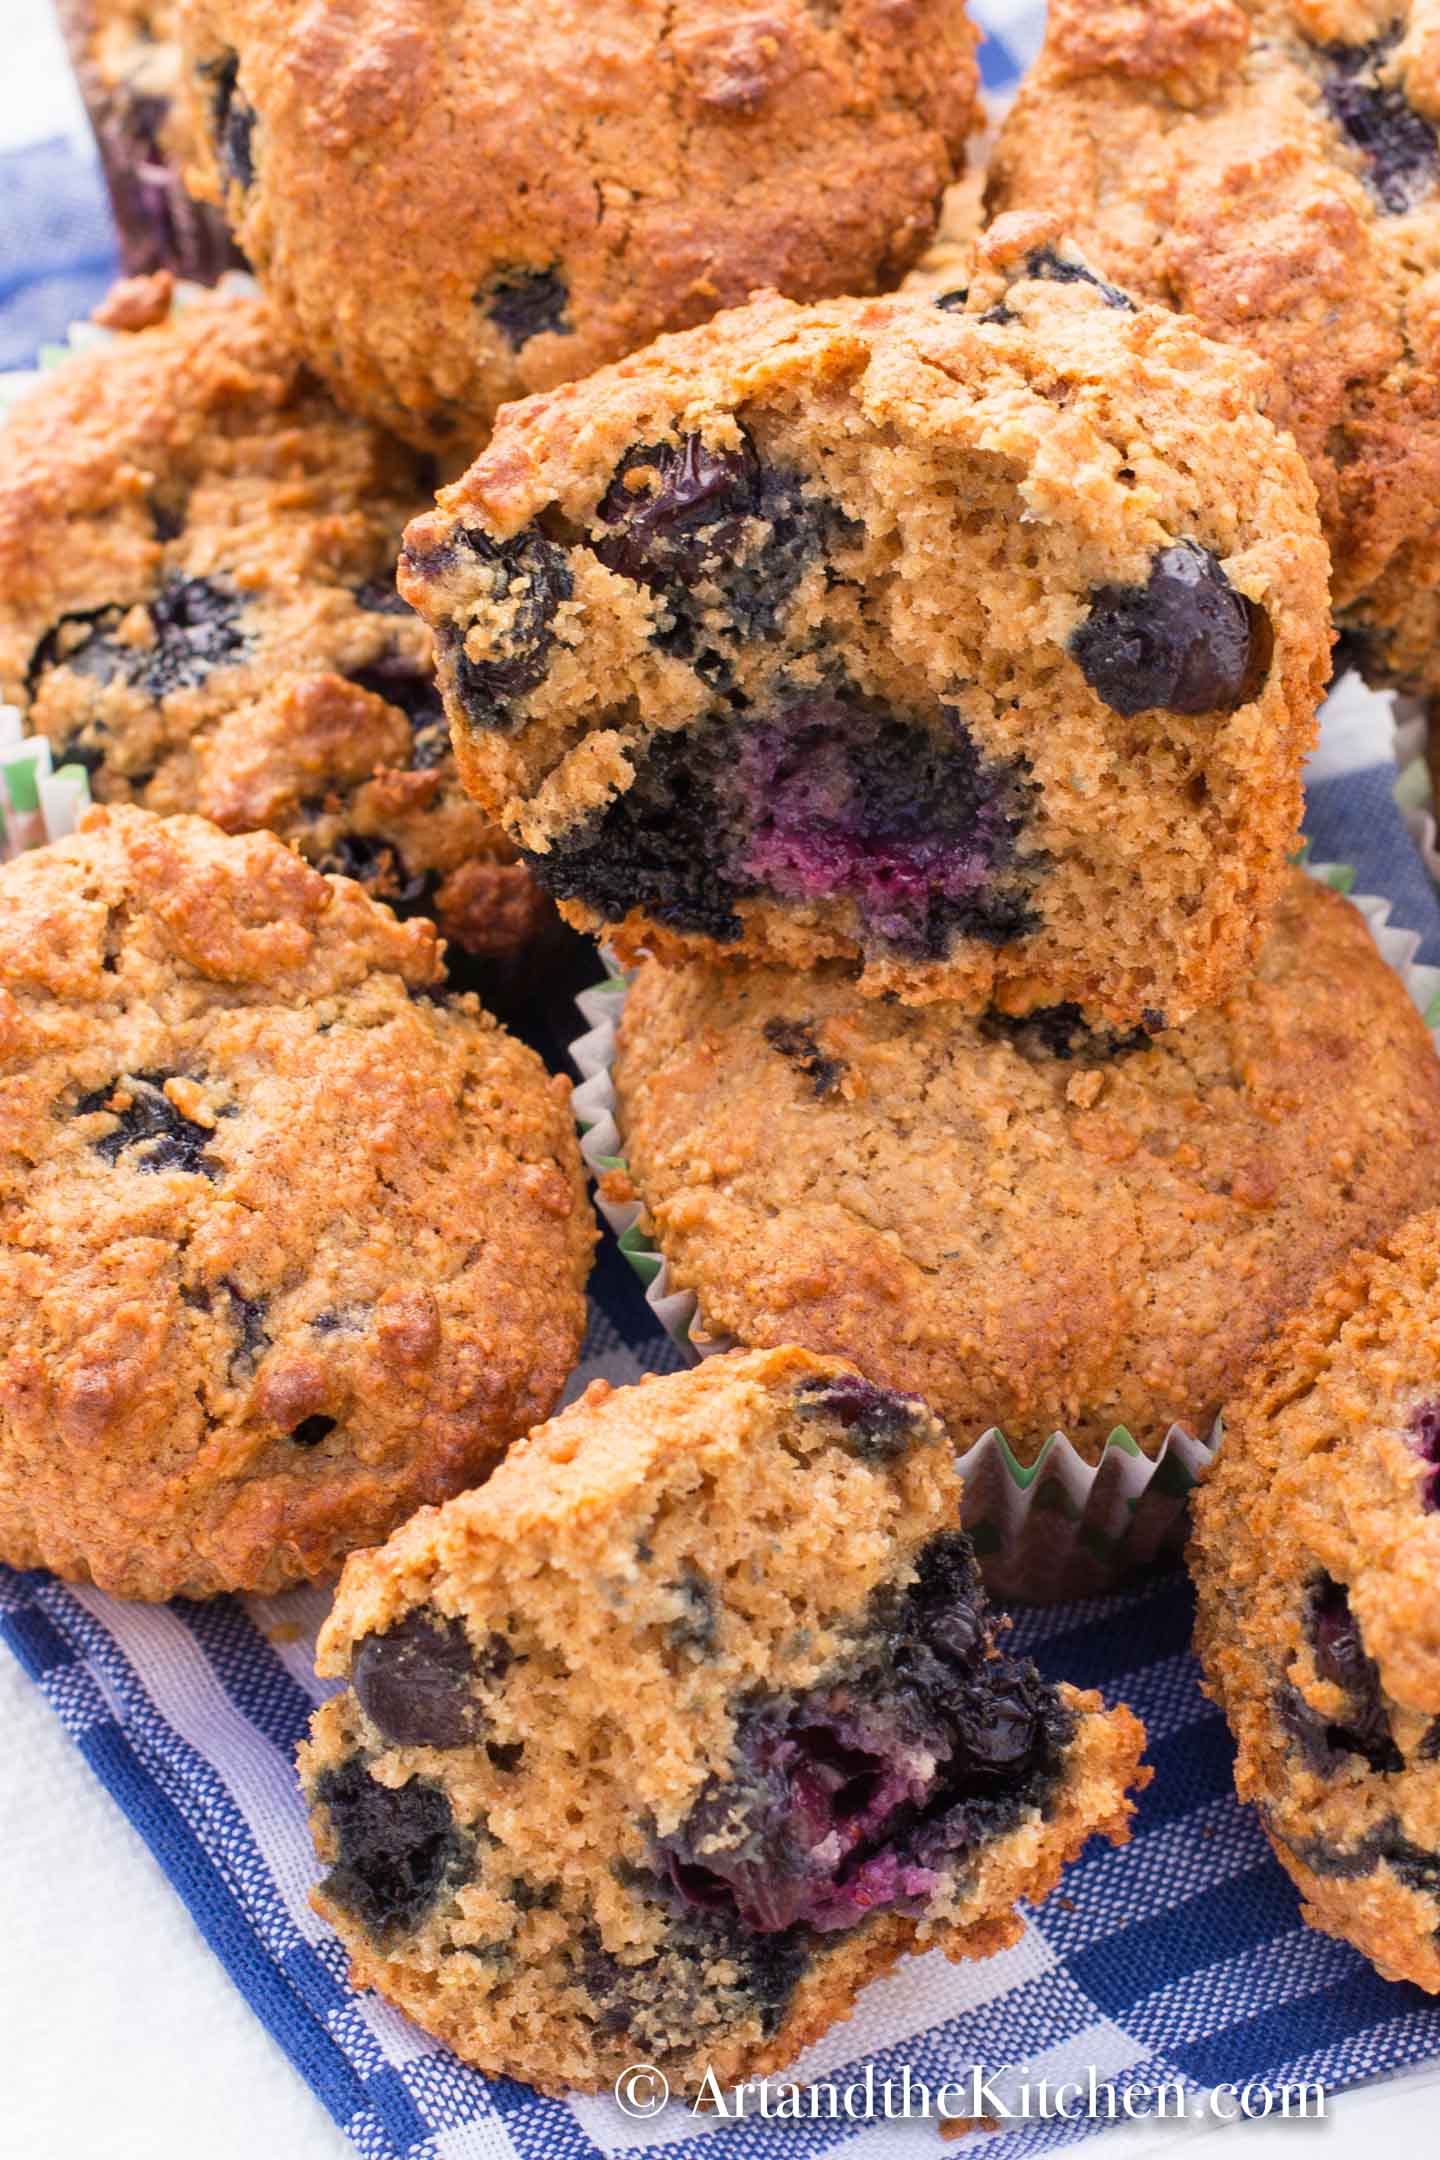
(1181, 1956)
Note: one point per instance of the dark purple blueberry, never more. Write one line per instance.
(1386, 1846)
(149, 1131)
(1184, 642)
(1424, 1431)
(525, 304)
(1399, 146)
(380, 867)
(381, 597)
(397, 1846)
(678, 510)
(160, 225)
(195, 627)
(414, 1682)
(1045, 264)
(659, 846)
(859, 1795)
(694, 1628)
(795, 1041)
(530, 579)
(414, 691)
(233, 120)
(953, 302)
(1062, 1031)
(713, 532)
(838, 798)
(1342, 1660)
(878, 1424)
(246, 1316)
(311, 1431)
(506, 1755)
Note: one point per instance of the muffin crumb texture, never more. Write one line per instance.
(689, 1723)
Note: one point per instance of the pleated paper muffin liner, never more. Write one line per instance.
(1059, 1527)
(1413, 790)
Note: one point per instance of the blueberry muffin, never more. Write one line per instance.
(1273, 168)
(692, 1721)
(197, 603)
(126, 56)
(977, 645)
(290, 1242)
(457, 202)
(1035, 1224)
(1316, 1554)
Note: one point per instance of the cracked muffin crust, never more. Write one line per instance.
(458, 202)
(1316, 1556)
(126, 57)
(197, 603)
(976, 645)
(290, 1242)
(1274, 170)
(1035, 1225)
(687, 1725)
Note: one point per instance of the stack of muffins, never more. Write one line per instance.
(913, 690)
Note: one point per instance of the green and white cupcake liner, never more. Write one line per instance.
(1059, 1527)
(1413, 789)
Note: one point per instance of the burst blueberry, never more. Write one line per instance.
(525, 304)
(529, 581)
(397, 1845)
(147, 1130)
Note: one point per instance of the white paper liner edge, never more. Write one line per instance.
(1061, 1527)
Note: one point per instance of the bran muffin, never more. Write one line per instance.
(1272, 167)
(1316, 1555)
(1035, 1225)
(290, 1242)
(979, 646)
(457, 202)
(126, 57)
(197, 603)
(684, 1727)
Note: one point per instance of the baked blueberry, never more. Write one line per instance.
(1399, 145)
(147, 1130)
(394, 1846)
(525, 304)
(1185, 641)
(414, 1682)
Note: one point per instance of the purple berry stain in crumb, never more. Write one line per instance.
(1185, 641)
(1424, 1436)
(861, 1794)
(840, 800)
(396, 1846)
(831, 797)
(877, 1423)
(1399, 145)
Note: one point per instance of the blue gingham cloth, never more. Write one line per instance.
(1180, 1957)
